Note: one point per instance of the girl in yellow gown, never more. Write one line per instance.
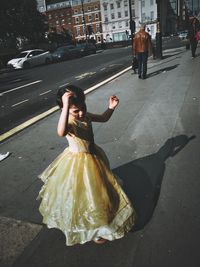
(80, 195)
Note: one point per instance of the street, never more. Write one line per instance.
(27, 93)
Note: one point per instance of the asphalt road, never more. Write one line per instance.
(26, 93)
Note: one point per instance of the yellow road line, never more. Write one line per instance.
(27, 123)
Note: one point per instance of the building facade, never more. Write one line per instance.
(81, 18)
(147, 11)
(59, 15)
(116, 19)
(86, 18)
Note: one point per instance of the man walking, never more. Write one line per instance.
(141, 47)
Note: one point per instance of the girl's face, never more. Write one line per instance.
(78, 112)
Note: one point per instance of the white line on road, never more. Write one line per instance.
(14, 105)
(63, 85)
(17, 88)
(45, 92)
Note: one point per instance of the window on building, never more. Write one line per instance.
(133, 2)
(126, 23)
(119, 15)
(119, 24)
(143, 3)
(118, 5)
(77, 31)
(126, 13)
(112, 16)
(105, 7)
(95, 7)
(75, 11)
(113, 26)
(125, 3)
(77, 20)
(97, 28)
(143, 17)
(152, 15)
(89, 18)
(96, 16)
(89, 8)
(151, 2)
(111, 6)
(106, 19)
(133, 12)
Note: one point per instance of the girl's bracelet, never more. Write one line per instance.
(111, 108)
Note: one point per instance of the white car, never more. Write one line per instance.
(30, 58)
(183, 35)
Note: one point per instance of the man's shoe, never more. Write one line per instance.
(139, 76)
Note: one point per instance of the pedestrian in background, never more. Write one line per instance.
(80, 195)
(193, 27)
(142, 48)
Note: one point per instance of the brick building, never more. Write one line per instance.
(86, 20)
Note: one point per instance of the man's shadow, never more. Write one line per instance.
(162, 70)
(142, 178)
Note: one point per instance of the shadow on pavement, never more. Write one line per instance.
(162, 70)
(142, 178)
(142, 183)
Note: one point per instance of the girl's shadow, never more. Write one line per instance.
(142, 178)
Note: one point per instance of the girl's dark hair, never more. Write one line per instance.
(77, 98)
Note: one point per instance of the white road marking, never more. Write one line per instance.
(45, 92)
(19, 103)
(17, 88)
(65, 84)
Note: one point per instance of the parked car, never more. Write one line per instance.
(183, 35)
(66, 52)
(87, 48)
(30, 58)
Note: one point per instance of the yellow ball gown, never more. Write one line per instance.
(80, 195)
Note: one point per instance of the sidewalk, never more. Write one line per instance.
(151, 111)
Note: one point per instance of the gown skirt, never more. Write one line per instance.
(81, 197)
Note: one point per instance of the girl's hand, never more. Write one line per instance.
(66, 97)
(113, 102)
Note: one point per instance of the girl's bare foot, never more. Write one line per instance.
(99, 240)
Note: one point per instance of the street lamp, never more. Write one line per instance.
(132, 23)
(84, 23)
(159, 31)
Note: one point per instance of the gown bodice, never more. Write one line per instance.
(80, 136)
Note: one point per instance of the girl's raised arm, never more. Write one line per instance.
(62, 127)
(105, 116)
